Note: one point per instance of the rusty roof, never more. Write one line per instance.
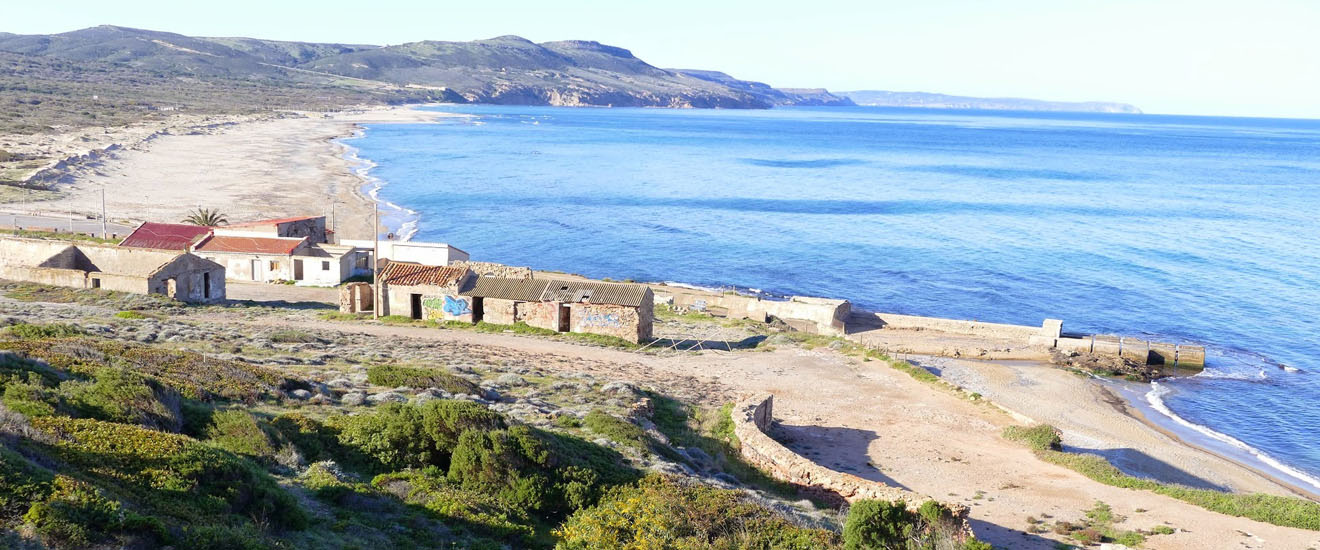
(413, 274)
(596, 293)
(165, 236)
(275, 221)
(250, 245)
(522, 290)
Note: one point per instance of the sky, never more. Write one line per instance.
(1210, 57)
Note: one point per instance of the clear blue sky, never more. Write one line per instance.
(1217, 57)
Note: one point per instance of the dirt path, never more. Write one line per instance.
(876, 422)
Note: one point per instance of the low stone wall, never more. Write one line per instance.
(753, 417)
(815, 315)
(970, 328)
(492, 269)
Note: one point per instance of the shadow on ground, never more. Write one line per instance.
(837, 448)
(1138, 464)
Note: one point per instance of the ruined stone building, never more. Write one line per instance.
(176, 274)
(456, 293)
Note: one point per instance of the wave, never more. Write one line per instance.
(1156, 399)
(1215, 374)
(405, 221)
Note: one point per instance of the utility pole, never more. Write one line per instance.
(104, 233)
(375, 262)
(332, 218)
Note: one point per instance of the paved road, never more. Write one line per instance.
(9, 220)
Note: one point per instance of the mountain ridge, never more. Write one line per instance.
(882, 98)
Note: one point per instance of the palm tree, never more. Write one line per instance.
(206, 217)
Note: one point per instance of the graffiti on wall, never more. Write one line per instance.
(449, 305)
(608, 320)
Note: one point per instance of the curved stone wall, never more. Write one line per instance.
(753, 417)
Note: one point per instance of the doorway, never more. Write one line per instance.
(172, 288)
(297, 270)
(565, 313)
(256, 270)
(478, 309)
(416, 303)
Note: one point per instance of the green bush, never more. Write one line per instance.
(169, 475)
(289, 336)
(76, 514)
(479, 513)
(21, 483)
(1041, 437)
(30, 397)
(881, 525)
(118, 395)
(394, 376)
(238, 432)
(132, 315)
(27, 331)
(192, 375)
(617, 429)
(662, 513)
(398, 436)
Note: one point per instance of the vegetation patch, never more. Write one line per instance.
(414, 377)
(878, 524)
(1041, 437)
(53, 330)
(661, 512)
(290, 336)
(1272, 509)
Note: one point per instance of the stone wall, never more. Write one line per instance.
(624, 322)
(753, 417)
(970, 328)
(491, 269)
(539, 314)
(816, 315)
(499, 311)
(355, 298)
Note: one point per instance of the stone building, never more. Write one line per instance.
(621, 310)
(311, 228)
(176, 274)
(425, 292)
(271, 259)
(166, 236)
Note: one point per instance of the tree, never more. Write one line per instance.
(206, 217)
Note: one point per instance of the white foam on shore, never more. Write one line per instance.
(1156, 399)
(407, 220)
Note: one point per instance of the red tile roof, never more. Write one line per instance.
(411, 274)
(165, 236)
(249, 245)
(276, 221)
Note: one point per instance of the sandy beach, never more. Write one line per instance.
(844, 413)
(248, 168)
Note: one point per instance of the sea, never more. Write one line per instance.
(1185, 229)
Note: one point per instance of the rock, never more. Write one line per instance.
(354, 399)
(339, 383)
(387, 397)
(301, 394)
(511, 379)
(619, 388)
(727, 478)
(697, 455)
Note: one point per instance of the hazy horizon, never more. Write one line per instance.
(1169, 57)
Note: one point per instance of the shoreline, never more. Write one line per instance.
(280, 171)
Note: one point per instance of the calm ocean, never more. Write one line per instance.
(1188, 229)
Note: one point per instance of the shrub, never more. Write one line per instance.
(168, 474)
(401, 436)
(30, 398)
(1041, 437)
(288, 336)
(21, 483)
(661, 513)
(76, 514)
(470, 510)
(27, 331)
(117, 395)
(238, 432)
(881, 525)
(192, 375)
(132, 315)
(394, 376)
(617, 429)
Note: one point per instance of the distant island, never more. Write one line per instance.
(880, 98)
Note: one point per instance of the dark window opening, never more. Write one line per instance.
(206, 285)
(325, 266)
(96, 283)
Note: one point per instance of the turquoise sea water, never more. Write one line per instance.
(1187, 229)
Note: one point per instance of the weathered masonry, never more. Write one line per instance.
(455, 293)
(624, 311)
(179, 275)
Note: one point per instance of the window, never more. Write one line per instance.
(206, 285)
(274, 265)
(96, 283)
(325, 266)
